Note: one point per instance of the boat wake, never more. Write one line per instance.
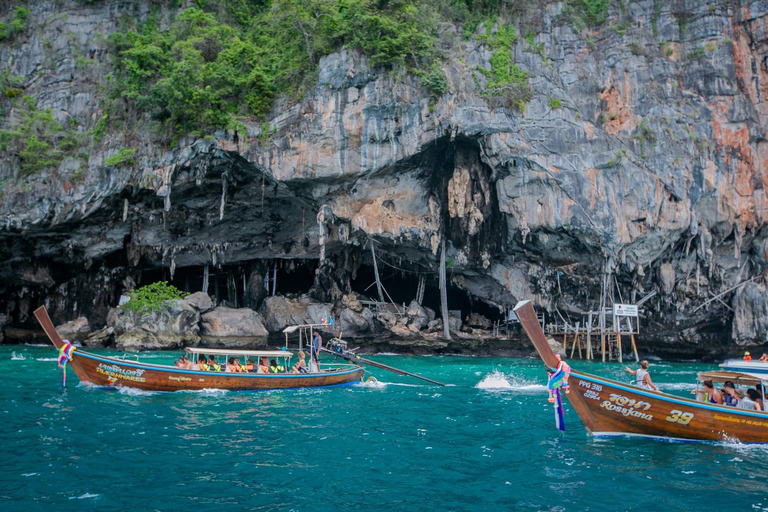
(46, 359)
(123, 390)
(17, 357)
(499, 381)
(373, 384)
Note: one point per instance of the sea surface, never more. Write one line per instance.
(486, 442)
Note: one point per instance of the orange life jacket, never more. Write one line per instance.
(747, 358)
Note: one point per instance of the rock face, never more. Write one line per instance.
(200, 301)
(649, 172)
(75, 330)
(280, 312)
(750, 324)
(228, 322)
(173, 327)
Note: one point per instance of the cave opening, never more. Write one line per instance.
(229, 284)
(401, 287)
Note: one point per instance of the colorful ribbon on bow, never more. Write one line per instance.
(558, 378)
(65, 355)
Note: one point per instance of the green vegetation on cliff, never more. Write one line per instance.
(205, 70)
(39, 140)
(152, 297)
(195, 70)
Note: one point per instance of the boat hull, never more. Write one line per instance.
(106, 371)
(609, 408)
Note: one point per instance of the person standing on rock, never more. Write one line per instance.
(317, 344)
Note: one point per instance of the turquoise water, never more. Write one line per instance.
(396, 445)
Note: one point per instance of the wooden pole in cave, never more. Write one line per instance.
(601, 318)
(274, 280)
(205, 279)
(376, 273)
(444, 294)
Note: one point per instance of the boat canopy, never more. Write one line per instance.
(737, 378)
(238, 352)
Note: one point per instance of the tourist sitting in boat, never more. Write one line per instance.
(179, 362)
(213, 365)
(747, 356)
(249, 366)
(301, 365)
(233, 365)
(202, 363)
(764, 357)
(709, 393)
(759, 398)
(642, 377)
(729, 394)
(264, 366)
(276, 368)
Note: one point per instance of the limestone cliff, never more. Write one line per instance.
(640, 161)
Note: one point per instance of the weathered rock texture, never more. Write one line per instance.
(653, 170)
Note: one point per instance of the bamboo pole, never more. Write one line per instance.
(444, 294)
(376, 273)
(634, 347)
(618, 345)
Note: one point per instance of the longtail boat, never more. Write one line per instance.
(609, 408)
(103, 371)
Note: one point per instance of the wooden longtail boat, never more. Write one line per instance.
(105, 371)
(609, 408)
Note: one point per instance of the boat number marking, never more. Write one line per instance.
(590, 385)
(591, 394)
(680, 417)
(592, 390)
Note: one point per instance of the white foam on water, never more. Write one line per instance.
(124, 390)
(47, 359)
(501, 381)
(386, 354)
(37, 345)
(676, 385)
(373, 384)
(212, 391)
(30, 474)
(495, 380)
(17, 357)
(85, 496)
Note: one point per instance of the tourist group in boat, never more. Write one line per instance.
(233, 365)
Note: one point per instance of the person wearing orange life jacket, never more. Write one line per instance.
(747, 356)
(765, 357)
(202, 365)
(249, 365)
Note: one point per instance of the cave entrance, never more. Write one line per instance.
(293, 276)
(229, 284)
(402, 287)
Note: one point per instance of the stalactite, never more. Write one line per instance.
(223, 194)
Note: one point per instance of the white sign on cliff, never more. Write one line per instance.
(625, 310)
